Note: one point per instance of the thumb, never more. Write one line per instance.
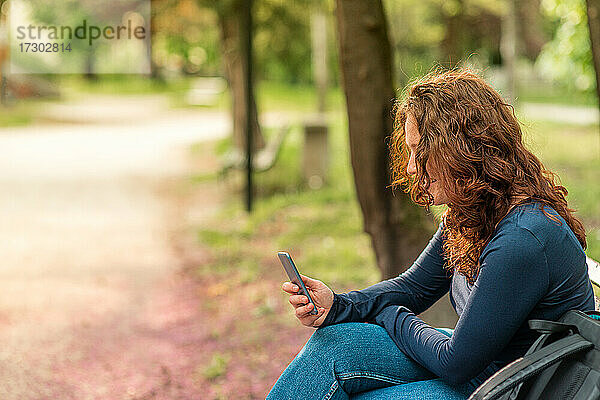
(309, 281)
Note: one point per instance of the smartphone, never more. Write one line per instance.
(292, 272)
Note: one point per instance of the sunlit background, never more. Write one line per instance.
(130, 268)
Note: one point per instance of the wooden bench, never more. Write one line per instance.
(594, 273)
(206, 91)
(262, 161)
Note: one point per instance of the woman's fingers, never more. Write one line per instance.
(310, 319)
(309, 282)
(298, 300)
(289, 287)
(303, 311)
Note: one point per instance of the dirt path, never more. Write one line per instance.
(91, 302)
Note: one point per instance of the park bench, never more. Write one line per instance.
(315, 153)
(262, 161)
(206, 91)
(594, 273)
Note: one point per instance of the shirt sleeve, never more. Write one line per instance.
(512, 279)
(425, 282)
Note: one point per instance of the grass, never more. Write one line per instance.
(19, 114)
(131, 85)
(118, 84)
(546, 93)
(270, 95)
(216, 368)
(285, 97)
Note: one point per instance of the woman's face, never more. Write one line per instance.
(412, 137)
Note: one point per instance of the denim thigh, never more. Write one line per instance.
(363, 357)
(432, 389)
(343, 360)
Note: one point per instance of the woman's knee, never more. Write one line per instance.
(330, 338)
(344, 342)
(346, 334)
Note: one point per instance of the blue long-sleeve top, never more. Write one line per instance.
(533, 267)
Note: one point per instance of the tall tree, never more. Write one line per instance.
(508, 49)
(593, 14)
(231, 22)
(398, 229)
(454, 38)
(531, 32)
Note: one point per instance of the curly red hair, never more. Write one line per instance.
(472, 137)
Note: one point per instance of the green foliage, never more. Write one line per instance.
(568, 57)
(416, 31)
(186, 37)
(217, 367)
(282, 41)
(17, 115)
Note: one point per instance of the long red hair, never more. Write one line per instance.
(472, 137)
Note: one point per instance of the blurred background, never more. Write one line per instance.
(131, 266)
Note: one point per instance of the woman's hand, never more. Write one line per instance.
(320, 294)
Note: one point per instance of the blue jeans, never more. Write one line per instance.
(360, 361)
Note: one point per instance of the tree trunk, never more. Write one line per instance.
(318, 24)
(230, 21)
(593, 13)
(530, 31)
(452, 44)
(508, 50)
(399, 229)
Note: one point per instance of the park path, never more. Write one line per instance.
(562, 113)
(91, 304)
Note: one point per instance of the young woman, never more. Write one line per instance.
(508, 249)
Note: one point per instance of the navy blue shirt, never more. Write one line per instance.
(533, 267)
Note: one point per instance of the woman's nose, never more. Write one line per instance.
(411, 168)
